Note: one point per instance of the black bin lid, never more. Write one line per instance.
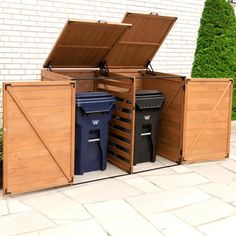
(146, 99)
(148, 93)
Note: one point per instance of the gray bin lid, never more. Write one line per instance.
(146, 99)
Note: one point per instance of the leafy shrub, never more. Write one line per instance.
(215, 55)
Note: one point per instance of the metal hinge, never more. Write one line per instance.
(49, 66)
(102, 21)
(154, 13)
(6, 192)
(149, 67)
(103, 68)
(181, 158)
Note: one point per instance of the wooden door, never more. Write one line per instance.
(207, 119)
(170, 127)
(38, 135)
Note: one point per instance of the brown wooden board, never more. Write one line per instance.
(139, 44)
(208, 104)
(169, 133)
(121, 131)
(38, 149)
(84, 44)
(81, 85)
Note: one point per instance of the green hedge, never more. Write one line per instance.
(215, 55)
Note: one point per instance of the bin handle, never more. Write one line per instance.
(94, 140)
(146, 134)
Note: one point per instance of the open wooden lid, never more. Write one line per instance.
(139, 44)
(84, 44)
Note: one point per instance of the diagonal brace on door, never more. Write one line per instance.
(171, 100)
(35, 128)
(206, 122)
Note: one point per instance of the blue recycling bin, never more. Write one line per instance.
(93, 113)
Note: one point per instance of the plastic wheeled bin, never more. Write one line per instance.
(148, 106)
(93, 113)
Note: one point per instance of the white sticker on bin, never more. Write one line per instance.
(95, 122)
(145, 134)
(93, 140)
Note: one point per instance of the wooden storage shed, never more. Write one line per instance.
(189, 120)
(84, 54)
(100, 56)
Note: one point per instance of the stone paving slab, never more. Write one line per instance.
(101, 191)
(142, 184)
(226, 192)
(225, 227)
(120, 219)
(171, 225)
(58, 207)
(215, 173)
(167, 200)
(23, 222)
(82, 228)
(177, 180)
(205, 212)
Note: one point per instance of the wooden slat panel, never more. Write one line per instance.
(121, 124)
(123, 95)
(124, 91)
(119, 84)
(123, 114)
(140, 43)
(84, 44)
(118, 162)
(120, 133)
(36, 155)
(119, 142)
(124, 105)
(206, 129)
(125, 155)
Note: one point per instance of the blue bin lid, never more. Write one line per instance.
(92, 102)
(95, 95)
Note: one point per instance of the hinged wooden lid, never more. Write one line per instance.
(139, 44)
(84, 44)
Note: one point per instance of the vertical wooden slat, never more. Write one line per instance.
(133, 125)
(230, 116)
(73, 94)
(5, 141)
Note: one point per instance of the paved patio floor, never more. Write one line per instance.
(187, 200)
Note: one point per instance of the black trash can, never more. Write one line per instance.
(148, 107)
(93, 113)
